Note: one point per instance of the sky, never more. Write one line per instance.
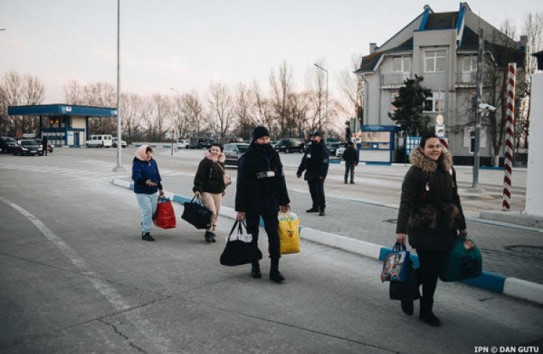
(186, 45)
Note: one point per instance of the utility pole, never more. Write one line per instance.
(119, 145)
(476, 162)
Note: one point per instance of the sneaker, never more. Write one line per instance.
(147, 237)
(276, 277)
(312, 210)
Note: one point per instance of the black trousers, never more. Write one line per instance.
(431, 264)
(271, 225)
(316, 189)
(349, 168)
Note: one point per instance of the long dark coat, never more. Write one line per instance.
(315, 162)
(257, 191)
(430, 211)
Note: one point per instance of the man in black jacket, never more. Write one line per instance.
(261, 191)
(350, 155)
(315, 164)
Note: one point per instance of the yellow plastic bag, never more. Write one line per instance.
(289, 234)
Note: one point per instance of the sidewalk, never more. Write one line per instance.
(373, 234)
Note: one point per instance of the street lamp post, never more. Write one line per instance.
(326, 121)
(119, 140)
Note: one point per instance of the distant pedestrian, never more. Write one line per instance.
(209, 185)
(261, 191)
(431, 216)
(44, 145)
(147, 186)
(315, 164)
(350, 155)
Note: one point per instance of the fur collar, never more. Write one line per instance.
(221, 158)
(418, 159)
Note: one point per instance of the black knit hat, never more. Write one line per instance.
(260, 132)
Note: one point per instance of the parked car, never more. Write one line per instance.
(7, 144)
(50, 147)
(114, 143)
(100, 140)
(290, 145)
(28, 147)
(200, 143)
(332, 147)
(233, 152)
(183, 144)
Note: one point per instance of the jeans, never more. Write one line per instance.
(147, 203)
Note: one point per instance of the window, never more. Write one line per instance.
(401, 64)
(435, 102)
(434, 61)
(469, 64)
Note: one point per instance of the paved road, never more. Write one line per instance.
(76, 278)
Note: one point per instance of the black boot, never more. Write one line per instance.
(213, 237)
(275, 275)
(407, 307)
(322, 213)
(207, 236)
(312, 210)
(147, 237)
(255, 270)
(426, 313)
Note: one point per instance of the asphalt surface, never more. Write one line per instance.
(76, 278)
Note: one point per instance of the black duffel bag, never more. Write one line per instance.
(239, 247)
(197, 214)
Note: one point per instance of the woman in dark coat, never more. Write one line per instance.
(261, 191)
(209, 185)
(431, 214)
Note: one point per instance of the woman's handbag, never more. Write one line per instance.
(395, 266)
(226, 177)
(240, 248)
(165, 215)
(197, 214)
(464, 261)
(408, 289)
(289, 232)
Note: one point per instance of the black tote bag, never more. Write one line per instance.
(239, 249)
(407, 289)
(197, 214)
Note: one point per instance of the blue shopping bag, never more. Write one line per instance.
(396, 264)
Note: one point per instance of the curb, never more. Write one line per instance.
(494, 282)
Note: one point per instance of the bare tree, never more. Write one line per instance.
(73, 93)
(244, 107)
(162, 113)
(15, 90)
(282, 88)
(192, 109)
(221, 108)
(351, 86)
(263, 111)
(132, 107)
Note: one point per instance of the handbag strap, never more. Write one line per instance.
(198, 200)
(240, 225)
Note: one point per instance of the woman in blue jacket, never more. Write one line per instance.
(147, 187)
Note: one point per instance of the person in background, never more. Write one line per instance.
(431, 216)
(44, 145)
(147, 186)
(261, 191)
(209, 185)
(315, 164)
(350, 155)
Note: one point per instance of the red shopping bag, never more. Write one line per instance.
(165, 215)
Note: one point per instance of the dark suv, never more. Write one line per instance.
(7, 144)
(290, 145)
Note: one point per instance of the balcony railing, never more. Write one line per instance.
(466, 79)
(394, 80)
